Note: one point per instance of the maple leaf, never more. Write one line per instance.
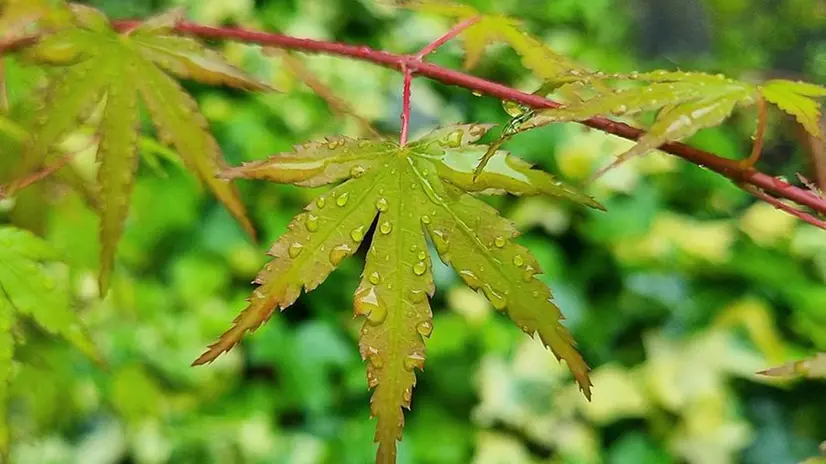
(31, 286)
(536, 55)
(409, 193)
(685, 103)
(795, 98)
(812, 368)
(95, 64)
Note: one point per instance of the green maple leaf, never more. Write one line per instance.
(95, 64)
(536, 55)
(409, 193)
(797, 99)
(32, 286)
(812, 368)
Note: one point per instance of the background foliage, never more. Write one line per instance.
(677, 295)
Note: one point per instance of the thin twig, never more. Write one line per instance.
(757, 147)
(452, 33)
(337, 104)
(405, 116)
(723, 166)
(802, 215)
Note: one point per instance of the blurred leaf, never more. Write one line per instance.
(795, 98)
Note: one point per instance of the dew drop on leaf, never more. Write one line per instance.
(425, 328)
(422, 255)
(342, 199)
(419, 268)
(338, 254)
(527, 276)
(321, 202)
(415, 360)
(518, 261)
(470, 278)
(417, 296)
(295, 250)
(312, 223)
(386, 227)
(357, 234)
(499, 241)
(441, 241)
(374, 278)
(367, 303)
(498, 301)
(357, 171)
(381, 204)
(454, 139)
(426, 219)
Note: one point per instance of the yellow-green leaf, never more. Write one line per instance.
(393, 297)
(117, 155)
(796, 99)
(93, 60)
(503, 173)
(316, 242)
(813, 368)
(405, 193)
(6, 357)
(316, 163)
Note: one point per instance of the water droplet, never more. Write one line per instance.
(422, 255)
(357, 171)
(425, 328)
(375, 359)
(470, 278)
(374, 278)
(321, 202)
(497, 300)
(367, 303)
(425, 172)
(426, 219)
(372, 381)
(312, 223)
(357, 234)
(440, 239)
(386, 227)
(342, 199)
(414, 361)
(332, 145)
(295, 250)
(499, 242)
(419, 268)
(338, 254)
(518, 261)
(454, 139)
(476, 93)
(382, 205)
(619, 109)
(527, 276)
(418, 296)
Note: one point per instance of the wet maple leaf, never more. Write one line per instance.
(95, 64)
(410, 193)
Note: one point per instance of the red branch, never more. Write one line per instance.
(728, 168)
(408, 80)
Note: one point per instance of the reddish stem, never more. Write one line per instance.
(452, 33)
(725, 167)
(802, 215)
(408, 80)
(757, 148)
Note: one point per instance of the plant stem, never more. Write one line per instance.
(723, 166)
(408, 80)
(452, 33)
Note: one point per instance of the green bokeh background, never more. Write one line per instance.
(677, 295)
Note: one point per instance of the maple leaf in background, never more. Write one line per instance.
(409, 193)
(95, 64)
(34, 286)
